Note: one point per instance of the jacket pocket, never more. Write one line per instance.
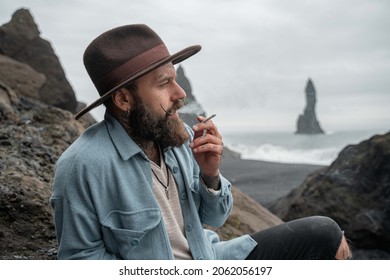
(129, 235)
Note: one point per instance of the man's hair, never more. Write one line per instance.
(132, 87)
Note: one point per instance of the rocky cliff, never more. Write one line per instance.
(308, 123)
(354, 190)
(20, 40)
(32, 136)
(35, 128)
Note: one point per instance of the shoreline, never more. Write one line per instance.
(265, 181)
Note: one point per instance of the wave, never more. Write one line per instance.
(275, 153)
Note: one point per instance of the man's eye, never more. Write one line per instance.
(164, 83)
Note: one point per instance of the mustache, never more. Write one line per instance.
(176, 106)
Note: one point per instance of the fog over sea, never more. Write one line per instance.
(288, 147)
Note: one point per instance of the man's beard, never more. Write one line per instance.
(147, 126)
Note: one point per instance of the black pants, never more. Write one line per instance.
(314, 237)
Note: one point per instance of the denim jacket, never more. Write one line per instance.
(104, 207)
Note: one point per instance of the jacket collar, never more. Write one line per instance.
(123, 143)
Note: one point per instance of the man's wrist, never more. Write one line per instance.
(212, 182)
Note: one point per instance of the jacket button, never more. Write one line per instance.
(175, 169)
(183, 196)
(188, 227)
(135, 242)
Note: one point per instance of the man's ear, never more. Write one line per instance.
(122, 99)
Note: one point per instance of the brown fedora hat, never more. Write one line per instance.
(121, 55)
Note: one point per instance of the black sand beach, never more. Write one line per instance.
(265, 181)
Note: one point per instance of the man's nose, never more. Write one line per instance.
(179, 92)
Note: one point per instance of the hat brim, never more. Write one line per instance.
(175, 58)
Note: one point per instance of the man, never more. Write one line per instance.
(140, 184)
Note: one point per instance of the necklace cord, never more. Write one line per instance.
(165, 186)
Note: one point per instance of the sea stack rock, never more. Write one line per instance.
(308, 123)
(191, 108)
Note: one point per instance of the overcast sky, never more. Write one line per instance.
(257, 55)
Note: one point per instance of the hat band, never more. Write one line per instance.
(131, 67)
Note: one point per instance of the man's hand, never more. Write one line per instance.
(207, 147)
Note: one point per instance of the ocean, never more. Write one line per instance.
(287, 147)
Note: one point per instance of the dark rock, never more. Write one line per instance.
(308, 123)
(371, 255)
(247, 217)
(7, 99)
(185, 84)
(87, 118)
(32, 138)
(354, 190)
(20, 40)
(191, 108)
(21, 77)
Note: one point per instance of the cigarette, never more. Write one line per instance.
(209, 118)
(205, 121)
